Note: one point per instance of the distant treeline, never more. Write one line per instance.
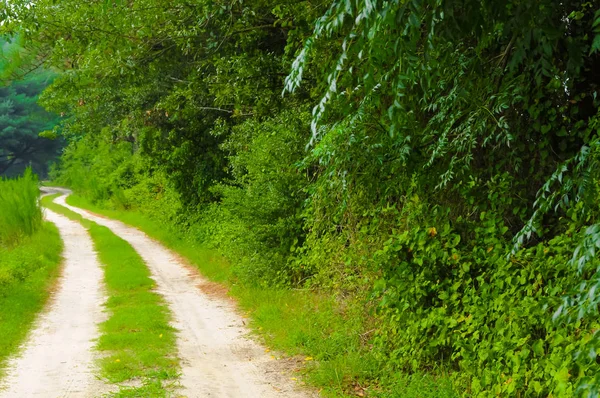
(22, 120)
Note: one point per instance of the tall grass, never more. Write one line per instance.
(29, 261)
(20, 211)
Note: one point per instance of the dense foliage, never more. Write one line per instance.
(25, 138)
(447, 177)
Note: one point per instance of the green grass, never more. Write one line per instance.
(300, 323)
(28, 271)
(137, 340)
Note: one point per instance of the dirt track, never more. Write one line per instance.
(58, 358)
(218, 358)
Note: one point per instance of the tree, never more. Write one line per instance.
(22, 121)
(160, 76)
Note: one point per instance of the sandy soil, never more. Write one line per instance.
(218, 358)
(57, 360)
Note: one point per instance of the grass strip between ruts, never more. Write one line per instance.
(137, 340)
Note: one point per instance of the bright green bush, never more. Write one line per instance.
(446, 289)
(20, 212)
(99, 177)
(488, 316)
(257, 220)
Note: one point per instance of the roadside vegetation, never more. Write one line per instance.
(21, 214)
(137, 341)
(424, 193)
(29, 261)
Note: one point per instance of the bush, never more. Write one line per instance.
(466, 304)
(257, 221)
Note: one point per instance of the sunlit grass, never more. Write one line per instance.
(29, 258)
(27, 273)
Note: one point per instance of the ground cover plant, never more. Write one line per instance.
(431, 167)
(137, 340)
(29, 261)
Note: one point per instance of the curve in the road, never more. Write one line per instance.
(218, 359)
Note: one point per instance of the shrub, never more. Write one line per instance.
(257, 221)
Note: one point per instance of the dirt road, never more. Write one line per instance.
(218, 358)
(58, 358)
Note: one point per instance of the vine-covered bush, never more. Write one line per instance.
(466, 303)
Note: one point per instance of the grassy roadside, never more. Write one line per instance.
(137, 340)
(28, 272)
(304, 324)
